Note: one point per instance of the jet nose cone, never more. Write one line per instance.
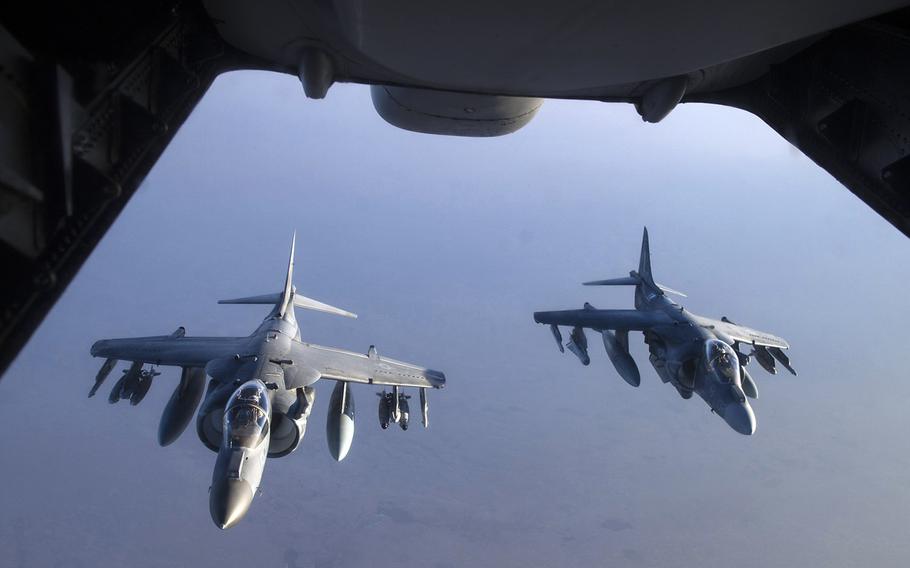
(229, 501)
(740, 417)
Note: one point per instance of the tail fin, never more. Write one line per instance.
(642, 277)
(644, 262)
(289, 298)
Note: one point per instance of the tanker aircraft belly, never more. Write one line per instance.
(260, 391)
(695, 354)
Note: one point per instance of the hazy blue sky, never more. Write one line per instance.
(445, 247)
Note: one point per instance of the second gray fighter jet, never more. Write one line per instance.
(695, 354)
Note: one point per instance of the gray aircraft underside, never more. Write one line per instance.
(260, 391)
(695, 354)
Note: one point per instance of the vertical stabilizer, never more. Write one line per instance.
(286, 300)
(641, 278)
(644, 263)
(287, 297)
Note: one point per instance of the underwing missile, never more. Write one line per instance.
(749, 386)
(782, 358)
(103, 372)
(557, 335)
(765, 359)
(619, 356)
(578, 344)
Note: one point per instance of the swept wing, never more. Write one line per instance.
(341, 365)
(170, 350)
(629, 320)
(745, 334)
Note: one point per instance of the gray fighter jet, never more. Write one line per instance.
(693, 353)
(260, 393)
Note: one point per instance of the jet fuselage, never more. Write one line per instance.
(256, 373)
(684, 353)
(697, 355)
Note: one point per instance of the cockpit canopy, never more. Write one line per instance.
(246, 416)
(721, 361)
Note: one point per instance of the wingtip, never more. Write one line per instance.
(345, 313)
(438, 378)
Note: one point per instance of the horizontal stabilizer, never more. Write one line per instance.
(633, 320)
(669, 290)
(270, 299)
(632, 281)
(299, 302)
(289, 297)
(311, 304)
(624, 281)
